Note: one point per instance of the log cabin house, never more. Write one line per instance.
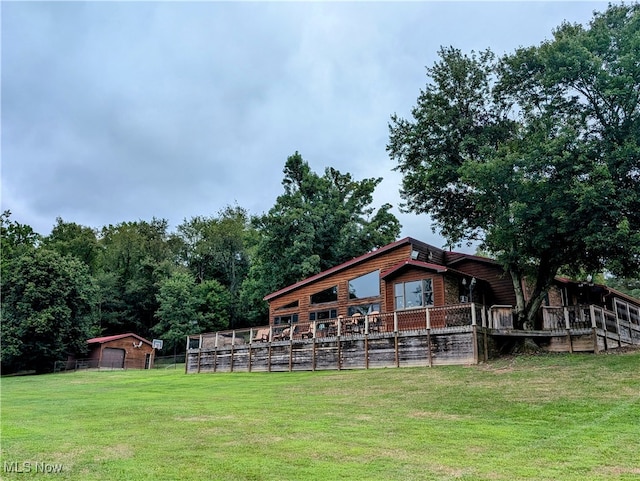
(409, 303)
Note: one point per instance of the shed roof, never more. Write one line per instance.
(101, 340)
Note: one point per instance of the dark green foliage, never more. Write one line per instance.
(319, 222)
(68, 238)
(217, 248)
(189, 308)
(15, 240)
(48, 310)
(136, 256)
(535, 155)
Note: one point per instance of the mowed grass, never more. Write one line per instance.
(548, 417)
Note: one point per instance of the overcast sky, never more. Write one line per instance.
(121, 111)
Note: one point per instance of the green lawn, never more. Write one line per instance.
(551, 417)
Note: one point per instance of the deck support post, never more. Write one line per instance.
(313, 351)
(395, 338)
(594, 329)
(199, 352)
(568, 328)
(291, 350)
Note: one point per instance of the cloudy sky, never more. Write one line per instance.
(121, 111)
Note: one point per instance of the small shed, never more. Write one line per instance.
(121, 351)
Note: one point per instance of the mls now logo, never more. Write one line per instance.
(29, 467)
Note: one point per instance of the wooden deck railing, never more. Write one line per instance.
(625, 324)
(371, 324)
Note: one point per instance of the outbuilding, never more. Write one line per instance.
(121, 351)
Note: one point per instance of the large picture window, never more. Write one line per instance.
(413, 294)
(367, 285)
(327, 295)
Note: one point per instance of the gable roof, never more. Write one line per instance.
(427, 266)
(101, 340)
(410, 262)
(343, 266)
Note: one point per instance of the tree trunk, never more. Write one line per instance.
(527, 309)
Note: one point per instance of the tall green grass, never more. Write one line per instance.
(551, 417)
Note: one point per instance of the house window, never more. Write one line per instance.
(327, 295)
(363, 309)
(367, 285)
(291, 305)
(290, 319)
(409, 295)
(321, 315)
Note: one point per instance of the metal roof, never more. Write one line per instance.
(100, 340)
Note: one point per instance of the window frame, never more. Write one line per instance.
(425, 294)
(373, 274)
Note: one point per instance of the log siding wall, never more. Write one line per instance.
(341, 280)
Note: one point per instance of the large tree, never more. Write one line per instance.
(318, 222)
(536, 155)
(135, 258)
(187, 307)
(216, 248)
(48, 310)
(69, 238)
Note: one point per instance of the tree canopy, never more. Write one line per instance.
(318, 222)
(48, 310)
(536, 155)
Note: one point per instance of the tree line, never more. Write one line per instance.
(210, 273)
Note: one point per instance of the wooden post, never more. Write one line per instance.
(429, 356)
(615, 311)
(338, 342)
(199, 353)
(366, 351)
(594, 329)
(313, 351)
(395, 338)
(292, 329)
(568, 327)
(474, 328)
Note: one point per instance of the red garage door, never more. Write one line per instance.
(113, 358)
